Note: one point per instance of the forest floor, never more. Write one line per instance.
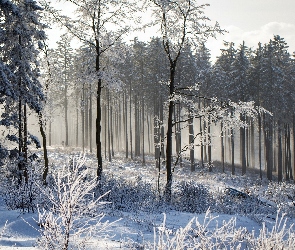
(132, 229)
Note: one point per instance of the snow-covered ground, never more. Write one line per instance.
(132, 229)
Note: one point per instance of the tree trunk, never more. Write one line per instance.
(126, 125)
(232, 151)
(156, 129)
(98, 119)
(86, 113)
(201, 133)
(90, 118)
(252, 147)
(83, 119)
(25, 144)
(66, 114)
(109, 132)
(46, 163)
(191, 139)
(77, 123)
(259, 145)
(112, 130)
(105, 130)
(169, 134)
(143, 124)
(222, 147)
(209, 147)
(280, 154)
(130, 121)
(50, 132)
(162, 128)
(243, 146)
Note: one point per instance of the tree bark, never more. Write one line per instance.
(46, 162)
(142, 125)
(280, 154)
(191, 139)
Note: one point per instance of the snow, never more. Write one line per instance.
(131, 229)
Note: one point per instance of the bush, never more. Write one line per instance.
(21, 195)
(128, 196)
(191, 197)
(196, 235)
(73, 217)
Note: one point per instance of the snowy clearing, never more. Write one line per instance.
(135, 229)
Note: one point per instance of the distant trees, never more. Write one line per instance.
(92, 26)
(263, 76)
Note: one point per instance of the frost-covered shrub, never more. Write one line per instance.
(22, 195)
(74, 216)
(204, 235)
(128, 196)
(190, 197)
(196, 235)
(247, 204)
(283, 195)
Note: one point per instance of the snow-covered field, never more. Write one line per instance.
(154, 224)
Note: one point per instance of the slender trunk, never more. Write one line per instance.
(109, 132)
(252, 147)
(130, 121)
(191, 139)
(162, 128)
(222, 147)
(126, 125)
(243, 146)
(280, 155)
(270, 153)
(77, 122)
(143, 124)
(83, 120)
(105, 130)
(86, 113)
(98, 109)
(90, 118)
(25, 145)
(20, 136)
(289, 164)
(294, 143)
(46, 162)
(50, 132)
(136, 146)
(179, 133)
(210, 164)
(66, 114)
(149, 132)
(202, 141)
(112, 130)
(259, 145)
(156, 130)
(232, 151)
(169, 134)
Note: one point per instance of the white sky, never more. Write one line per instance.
(250, 20)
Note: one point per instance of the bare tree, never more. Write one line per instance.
(182, 23)
(101, 24)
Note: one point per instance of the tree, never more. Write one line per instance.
(24, 34)
(64, 56)
(92, 26)
(182, 23)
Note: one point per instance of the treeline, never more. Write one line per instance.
(135, 97)
(163, 97)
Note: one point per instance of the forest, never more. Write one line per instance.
(107, 127)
